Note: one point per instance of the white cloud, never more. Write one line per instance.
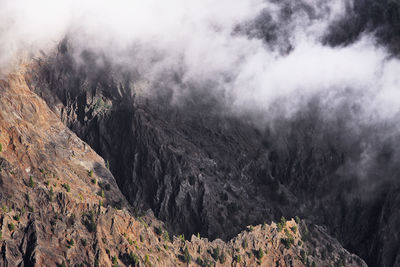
(195, 38)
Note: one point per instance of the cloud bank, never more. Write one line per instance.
(256, 54)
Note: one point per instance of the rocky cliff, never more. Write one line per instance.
(202, 170)
(62, 206)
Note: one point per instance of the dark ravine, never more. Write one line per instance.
(212, 173)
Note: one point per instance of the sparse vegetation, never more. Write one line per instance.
(90, 173)
(297, 219)
(94, 181)
(100, 104)
(71, 243)
(289, 240)
(1, 148)
(260, 254)
(238, 258)
(264, 226)
(90, 222)
(182, 238)
(143, 222)
(215, 253)
(222, 257)
(115, 261)
(31, 182)
(141, 238)
(186, 256)
(11, 227)
(51, 194)
(118, 206)
(134, 259)
(66, 187)
(146, 260)
(286, 232)
(17, 217)
(159, 230)
(244, 243)
(283, 221)
(303, 255)
(72, 218)
(166, 236)
(279, 227)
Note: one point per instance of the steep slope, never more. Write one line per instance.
(201, 170)
(198, 171)
(61, 206)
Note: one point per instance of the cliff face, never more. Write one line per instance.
(61, 206)
(201, 170)
(194, 169)
(47, 194)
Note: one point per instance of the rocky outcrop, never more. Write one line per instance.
(202, 170)
(60, 206)
(194, 169)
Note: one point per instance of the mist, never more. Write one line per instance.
(253, 55)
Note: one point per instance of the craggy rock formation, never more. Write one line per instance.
(195, 170)
(201, 170)
(61, 206)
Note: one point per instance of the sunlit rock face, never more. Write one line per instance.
(212, 116)
(60, 205)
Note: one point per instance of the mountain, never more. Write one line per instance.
(126, 126)
(62, 206)
(201, 170)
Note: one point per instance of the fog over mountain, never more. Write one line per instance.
(252, 110)
(252, 53)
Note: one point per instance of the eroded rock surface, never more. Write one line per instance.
(62, 207)
(202, 170)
